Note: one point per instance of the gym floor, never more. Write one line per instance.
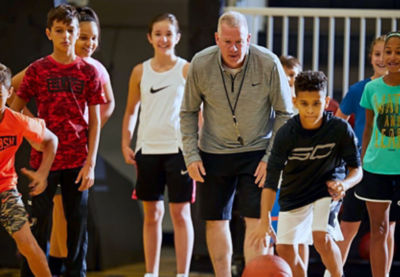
(167, 269)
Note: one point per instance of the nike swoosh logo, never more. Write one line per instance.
(154, 90)
(255, 84)
(183, 172)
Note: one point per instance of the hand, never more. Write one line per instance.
(261, 174)
(86, 177)
(261, 234)
(38, 181)
(336, 189)
(129, 155)
(196, 171)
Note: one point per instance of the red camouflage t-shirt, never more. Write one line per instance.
(63, 92)
(13, 128)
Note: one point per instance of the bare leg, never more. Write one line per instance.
(152, 234)
(329, 252)
(379, 221)
(250, 252)
(28, 247)
(349, 231)
(58, 238)
(219, 244)
(304, 254)
(289, 253)
(183, 235)
(390, 245)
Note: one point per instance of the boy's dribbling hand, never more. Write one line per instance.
(336, 189)
(86, 175)
(38, 181)
(262, 234)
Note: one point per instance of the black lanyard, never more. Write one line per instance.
(233, 108)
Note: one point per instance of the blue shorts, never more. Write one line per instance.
(275, 212)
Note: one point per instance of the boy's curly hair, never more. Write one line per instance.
(310, 81)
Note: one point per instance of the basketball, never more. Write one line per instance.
(363, 247)
(267, 266)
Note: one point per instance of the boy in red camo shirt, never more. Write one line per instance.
(65, 88)
(13, 216)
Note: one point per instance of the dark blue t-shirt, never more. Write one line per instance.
(351, 105)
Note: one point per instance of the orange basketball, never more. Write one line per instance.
(267, 266)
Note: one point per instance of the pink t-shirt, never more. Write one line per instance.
(104, 77)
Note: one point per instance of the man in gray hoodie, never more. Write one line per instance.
(245, 99)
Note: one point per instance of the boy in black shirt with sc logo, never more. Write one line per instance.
(312, 150)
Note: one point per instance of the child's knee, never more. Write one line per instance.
(322, 240)
(285, 250)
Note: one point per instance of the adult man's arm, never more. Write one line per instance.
(189, 125)
(281, 101)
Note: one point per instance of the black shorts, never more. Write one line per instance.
(155, 171)
(355, 210)
(227, 175)
(381, 188)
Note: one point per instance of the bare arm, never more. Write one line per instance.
(129, 121)
(87, 172)
(340, 114)
(185, 70)
(39, 177)
(264, 228)
(107, 109)
(16, 83)
(18, 103)
(369, 122)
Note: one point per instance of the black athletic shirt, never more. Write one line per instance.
(309, 158)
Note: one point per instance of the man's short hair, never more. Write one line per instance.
(63, 13)
(5, 76)
(232, 19)
(310, 81)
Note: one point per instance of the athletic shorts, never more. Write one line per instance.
(228, 175)
(155, 171)
(12, 211)
(355, 210)
(378, 187)
(275, 212)
(296, 226)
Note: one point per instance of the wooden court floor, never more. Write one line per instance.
(167, 269)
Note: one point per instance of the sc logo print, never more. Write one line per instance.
(312, 153)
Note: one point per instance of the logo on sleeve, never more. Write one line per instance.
(154, 90)
(7, 142)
